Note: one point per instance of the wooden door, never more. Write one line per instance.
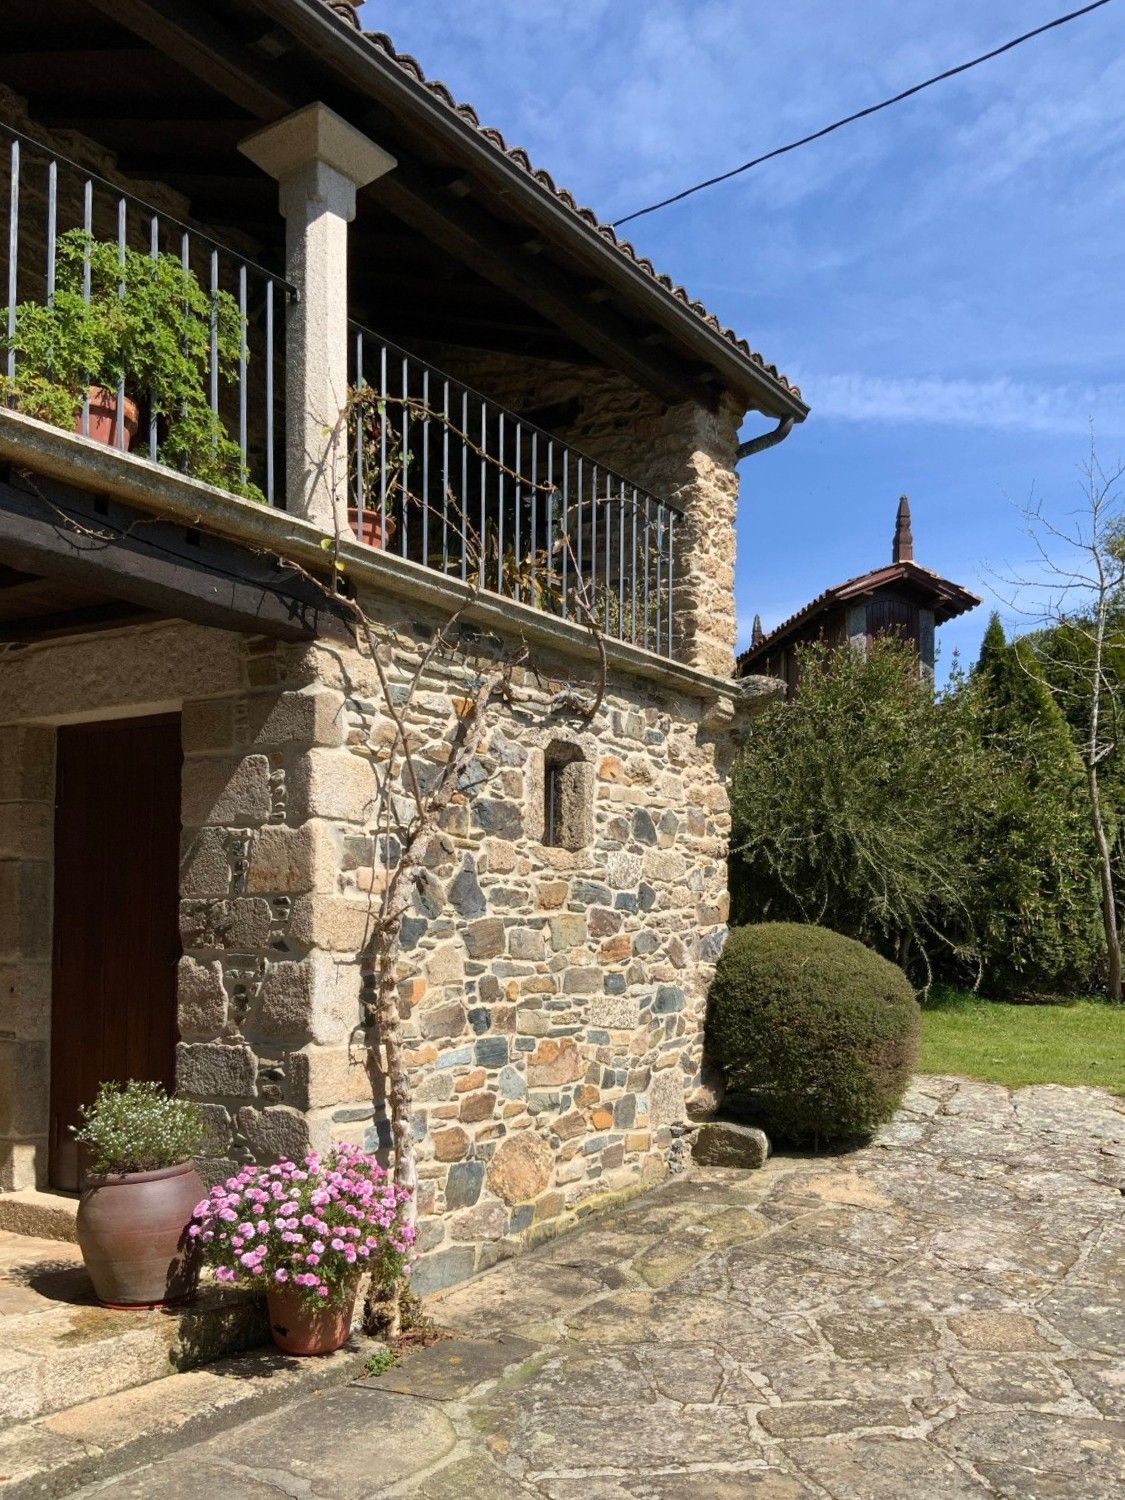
(116, 929)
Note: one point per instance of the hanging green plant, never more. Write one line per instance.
(145, 324)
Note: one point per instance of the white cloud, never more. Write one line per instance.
(1008, 405)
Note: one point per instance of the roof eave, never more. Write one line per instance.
(958, 604)
(339, 45)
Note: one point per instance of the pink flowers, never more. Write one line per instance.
(315, 1224)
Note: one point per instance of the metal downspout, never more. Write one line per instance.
(765, 440)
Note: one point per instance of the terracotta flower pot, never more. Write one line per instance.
(371, 532)
(132, 1233)
(102, 425)
(298, 1329)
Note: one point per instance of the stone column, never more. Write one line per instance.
(319, 161)
(700, 448)
(269, 982)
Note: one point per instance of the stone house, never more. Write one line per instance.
(192, 820)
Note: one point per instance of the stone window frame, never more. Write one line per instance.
(575, 755)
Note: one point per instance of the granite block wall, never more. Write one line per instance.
(552, 998)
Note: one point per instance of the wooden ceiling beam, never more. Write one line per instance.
(483, 245)
(43, 62)
(66, 533)
(190, 165)
(148, 137)
(111, 615)
(198, 113)
(15, 578)
(17, 598)
(411, 328)
(206, 48)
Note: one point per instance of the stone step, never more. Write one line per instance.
(71, 1352)
(49, 1216)
(110, 1434)
(59, 1346)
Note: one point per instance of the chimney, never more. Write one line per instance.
(757, 634)
(903, 548)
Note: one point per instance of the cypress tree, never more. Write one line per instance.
(1037, 907)
(1017, 702)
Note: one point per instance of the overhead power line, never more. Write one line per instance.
(861, 114)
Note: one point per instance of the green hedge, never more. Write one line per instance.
(817, 1035)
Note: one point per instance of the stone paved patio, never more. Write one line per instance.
(941, 1315)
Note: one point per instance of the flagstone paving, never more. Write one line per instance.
(940, 1315)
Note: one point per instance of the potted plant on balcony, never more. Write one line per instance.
(145, 325)
(304, 1234)
(139, 1194)
(380, 447)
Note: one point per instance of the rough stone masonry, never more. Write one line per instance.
(552, 998)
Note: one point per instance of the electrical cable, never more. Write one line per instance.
(862, 114)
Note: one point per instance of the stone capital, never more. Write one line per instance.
(288, 148)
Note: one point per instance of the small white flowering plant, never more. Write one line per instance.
(137, 1127)
(316, 1225)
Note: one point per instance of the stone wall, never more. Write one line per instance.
(552, 998)
(27, 784)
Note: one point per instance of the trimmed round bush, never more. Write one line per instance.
(817, 1035)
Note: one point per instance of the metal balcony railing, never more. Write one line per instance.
(442, 475)
(43, 196)
(437, 472)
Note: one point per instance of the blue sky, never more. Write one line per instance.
(945, 280)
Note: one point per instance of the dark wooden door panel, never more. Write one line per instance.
(898, 617)
(116, 938)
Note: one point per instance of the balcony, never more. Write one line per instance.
(442, 475)
(222, 415)
(437, 472)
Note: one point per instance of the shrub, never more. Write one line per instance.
(816, 1033)
(948, 830)
(854, 806)
(137, 1127)
(1035, 900)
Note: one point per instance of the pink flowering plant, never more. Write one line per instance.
(317, 1224)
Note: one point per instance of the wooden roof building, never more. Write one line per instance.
(902, 598)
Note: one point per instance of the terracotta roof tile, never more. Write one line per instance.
(519, 156)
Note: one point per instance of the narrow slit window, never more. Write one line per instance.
(566, 797)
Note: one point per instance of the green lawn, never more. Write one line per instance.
(1017, 1044)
